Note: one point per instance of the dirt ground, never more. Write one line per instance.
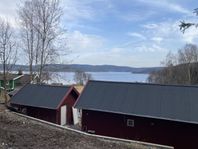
(18, 132)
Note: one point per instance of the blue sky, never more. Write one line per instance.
(137, 33)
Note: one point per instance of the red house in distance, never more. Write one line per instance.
(46, 102)
(161, 114)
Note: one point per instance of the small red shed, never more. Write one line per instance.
(161, 114)
(46, 102)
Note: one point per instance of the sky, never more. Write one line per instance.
(136, 33)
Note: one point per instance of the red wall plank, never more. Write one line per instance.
(164, 132)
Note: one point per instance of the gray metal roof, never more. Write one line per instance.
(44, 96)
(170, 102)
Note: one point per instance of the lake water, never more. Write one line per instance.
(67, 77)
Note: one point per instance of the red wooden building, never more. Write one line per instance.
(161, 114)
(50, 103)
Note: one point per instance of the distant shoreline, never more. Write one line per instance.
(88, 68)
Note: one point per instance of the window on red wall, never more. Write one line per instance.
(130, 123)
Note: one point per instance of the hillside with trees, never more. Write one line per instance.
(180, 68)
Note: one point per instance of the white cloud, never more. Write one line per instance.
(191, 35)
(169, 31)
(150, 25)
(166, 36)
(166, 4)
(177, 8)
(157, 39)
(150, 48)
(137, 35)
(75, 10)
(116, 50)
(8, 10)
(121, 56)
(115, 56)
(79, 42)
(136, 16)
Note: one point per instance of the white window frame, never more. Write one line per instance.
(130, 123)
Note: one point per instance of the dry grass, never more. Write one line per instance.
(79, 88)
(17, 132)
(2, 97)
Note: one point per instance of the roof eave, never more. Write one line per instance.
(33, 106)
(138, 115)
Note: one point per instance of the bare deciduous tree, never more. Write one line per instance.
(80, 77)
(41, 26)
(8, 50)
(180, 68)
(29, 40)
(188, 55)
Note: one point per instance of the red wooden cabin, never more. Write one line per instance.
(46, 102)
(161, 114)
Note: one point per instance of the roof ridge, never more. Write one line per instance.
(48, 85)
(143, 83)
